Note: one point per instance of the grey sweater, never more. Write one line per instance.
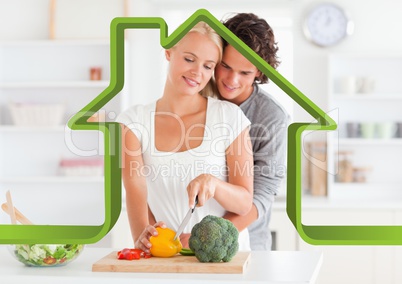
(268, 133)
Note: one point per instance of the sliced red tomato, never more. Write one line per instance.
(49, 260)
(120, 255)
(132, 254)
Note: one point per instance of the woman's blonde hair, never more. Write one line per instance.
(210, 89)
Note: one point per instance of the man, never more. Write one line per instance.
(237, 81)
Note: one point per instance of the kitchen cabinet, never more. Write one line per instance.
(397, 253)
(347, 264)
(365, 95)
(284, 234)
(46, 74)
(351, 264)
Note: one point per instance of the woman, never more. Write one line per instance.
(186, 144)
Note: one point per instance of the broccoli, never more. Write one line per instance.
(214, 239)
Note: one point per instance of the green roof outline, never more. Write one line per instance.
(319, 235)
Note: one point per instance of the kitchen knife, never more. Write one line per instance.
(185, 220)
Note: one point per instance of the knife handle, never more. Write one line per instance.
(195, 203)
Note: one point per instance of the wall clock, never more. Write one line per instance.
(327, 24)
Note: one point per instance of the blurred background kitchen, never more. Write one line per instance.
(54, 59)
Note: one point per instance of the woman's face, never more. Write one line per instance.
(191, 63)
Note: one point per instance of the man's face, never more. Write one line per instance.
(235, 76)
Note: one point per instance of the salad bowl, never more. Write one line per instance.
(42, 255)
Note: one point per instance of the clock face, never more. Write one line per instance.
(327, 24)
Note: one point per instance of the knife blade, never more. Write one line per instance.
(185, 220)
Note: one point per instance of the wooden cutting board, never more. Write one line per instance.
(175, 264)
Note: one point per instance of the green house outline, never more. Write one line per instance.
(319, 235)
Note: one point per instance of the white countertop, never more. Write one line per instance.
(274, 267)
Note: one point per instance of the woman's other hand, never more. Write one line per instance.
(202, 186)
(143, 242)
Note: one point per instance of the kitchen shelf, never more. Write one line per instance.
(19, 129)
(363, 185)
(50, 72)
(54, 43)
(58, 62)
(53, 179)
(380, 105)
(38, 129)
(366, 97)
(368, 142)
(55, 84)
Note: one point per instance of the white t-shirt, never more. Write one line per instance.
(169, 173)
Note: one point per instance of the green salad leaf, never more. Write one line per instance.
(47, 255)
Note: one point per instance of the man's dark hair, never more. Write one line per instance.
(258, 35)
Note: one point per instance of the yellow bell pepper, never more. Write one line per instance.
(163, 244)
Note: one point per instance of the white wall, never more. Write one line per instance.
(377, 28)
(377, 25)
